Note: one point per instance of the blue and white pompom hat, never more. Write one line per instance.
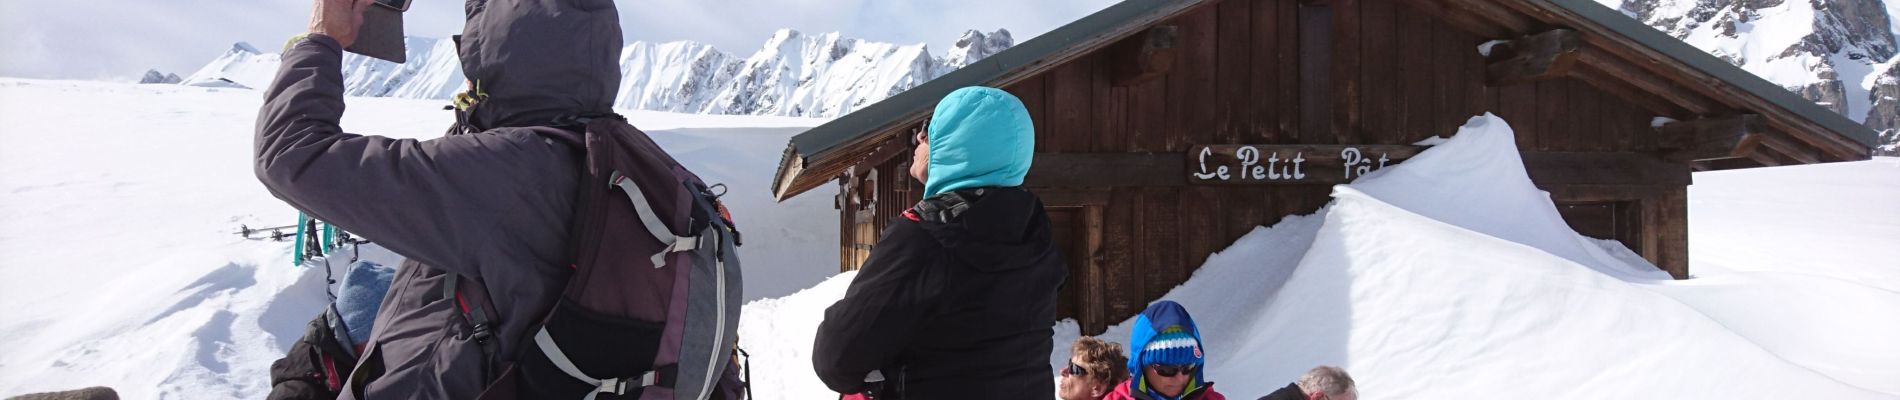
(1166, 335)
(1174, 346)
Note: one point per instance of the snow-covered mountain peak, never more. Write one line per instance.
(791, 74)
(976, 45)
(245, 47)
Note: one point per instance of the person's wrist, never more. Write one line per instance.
(319, 38)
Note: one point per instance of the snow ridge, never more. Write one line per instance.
(793, 74)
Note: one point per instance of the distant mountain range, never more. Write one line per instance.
(793, 74)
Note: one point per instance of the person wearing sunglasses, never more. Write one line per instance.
(1168, 364)
(1095, 367)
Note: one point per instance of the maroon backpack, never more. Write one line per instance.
(652, 308)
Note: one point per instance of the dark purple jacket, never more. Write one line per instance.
(492, 206)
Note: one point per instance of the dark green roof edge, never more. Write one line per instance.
(1703, 61)
(826, 137)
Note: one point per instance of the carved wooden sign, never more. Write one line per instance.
(1289, 164)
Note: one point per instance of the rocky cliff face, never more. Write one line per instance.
(1838, 53)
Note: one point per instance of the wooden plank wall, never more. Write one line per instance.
(1249, 72)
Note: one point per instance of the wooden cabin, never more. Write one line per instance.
(1133, 102)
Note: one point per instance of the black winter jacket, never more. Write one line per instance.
(1290, 392)
(950, 304)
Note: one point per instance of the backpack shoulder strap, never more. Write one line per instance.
(651, 220)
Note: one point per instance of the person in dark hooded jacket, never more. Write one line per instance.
(958, 297)
(491, 204)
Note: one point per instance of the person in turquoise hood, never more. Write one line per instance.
(1168, 360)
(958, 297)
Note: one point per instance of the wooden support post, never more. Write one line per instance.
(1711, 138)
(1532, 58)
(1142, 57)
(1673, 232)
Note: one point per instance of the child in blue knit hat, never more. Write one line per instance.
(1168, 358)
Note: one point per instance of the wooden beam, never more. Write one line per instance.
(1790, 148)
(1765, 157)
(1723, 164)
(1590, 168)
(1106, 170)
(1614, 85)
(1602, 193)
(1142, 57)
(1711, 138)
(1650, 82)
(1532, 58)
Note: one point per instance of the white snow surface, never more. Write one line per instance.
(119, 265)
(1442, 277)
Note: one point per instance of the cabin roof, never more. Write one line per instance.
(821, 153)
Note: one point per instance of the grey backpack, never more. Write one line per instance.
(652, 307)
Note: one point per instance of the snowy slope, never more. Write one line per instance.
(1450, 276)
(793, 74)
(118, 262)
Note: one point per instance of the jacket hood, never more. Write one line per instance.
(1003, 229)
(1163, 318)
(979, 136)
(534, 60)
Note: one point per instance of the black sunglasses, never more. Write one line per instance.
(920, 134)
(1077, 370)
(1171, 370)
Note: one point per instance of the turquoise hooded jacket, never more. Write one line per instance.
(979, 137)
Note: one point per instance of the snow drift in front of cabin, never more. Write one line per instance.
(1451, 275)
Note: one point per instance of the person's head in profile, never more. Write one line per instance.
(1328, 383)
(1095, 367)
(1321, 383)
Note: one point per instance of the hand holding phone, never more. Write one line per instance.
(381, 34)
(338, 19)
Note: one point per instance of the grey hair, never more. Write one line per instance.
(1327, 379)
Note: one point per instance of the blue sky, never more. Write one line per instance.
(120, 39)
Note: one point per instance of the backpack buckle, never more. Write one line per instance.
(481, 334)
(612, 385)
